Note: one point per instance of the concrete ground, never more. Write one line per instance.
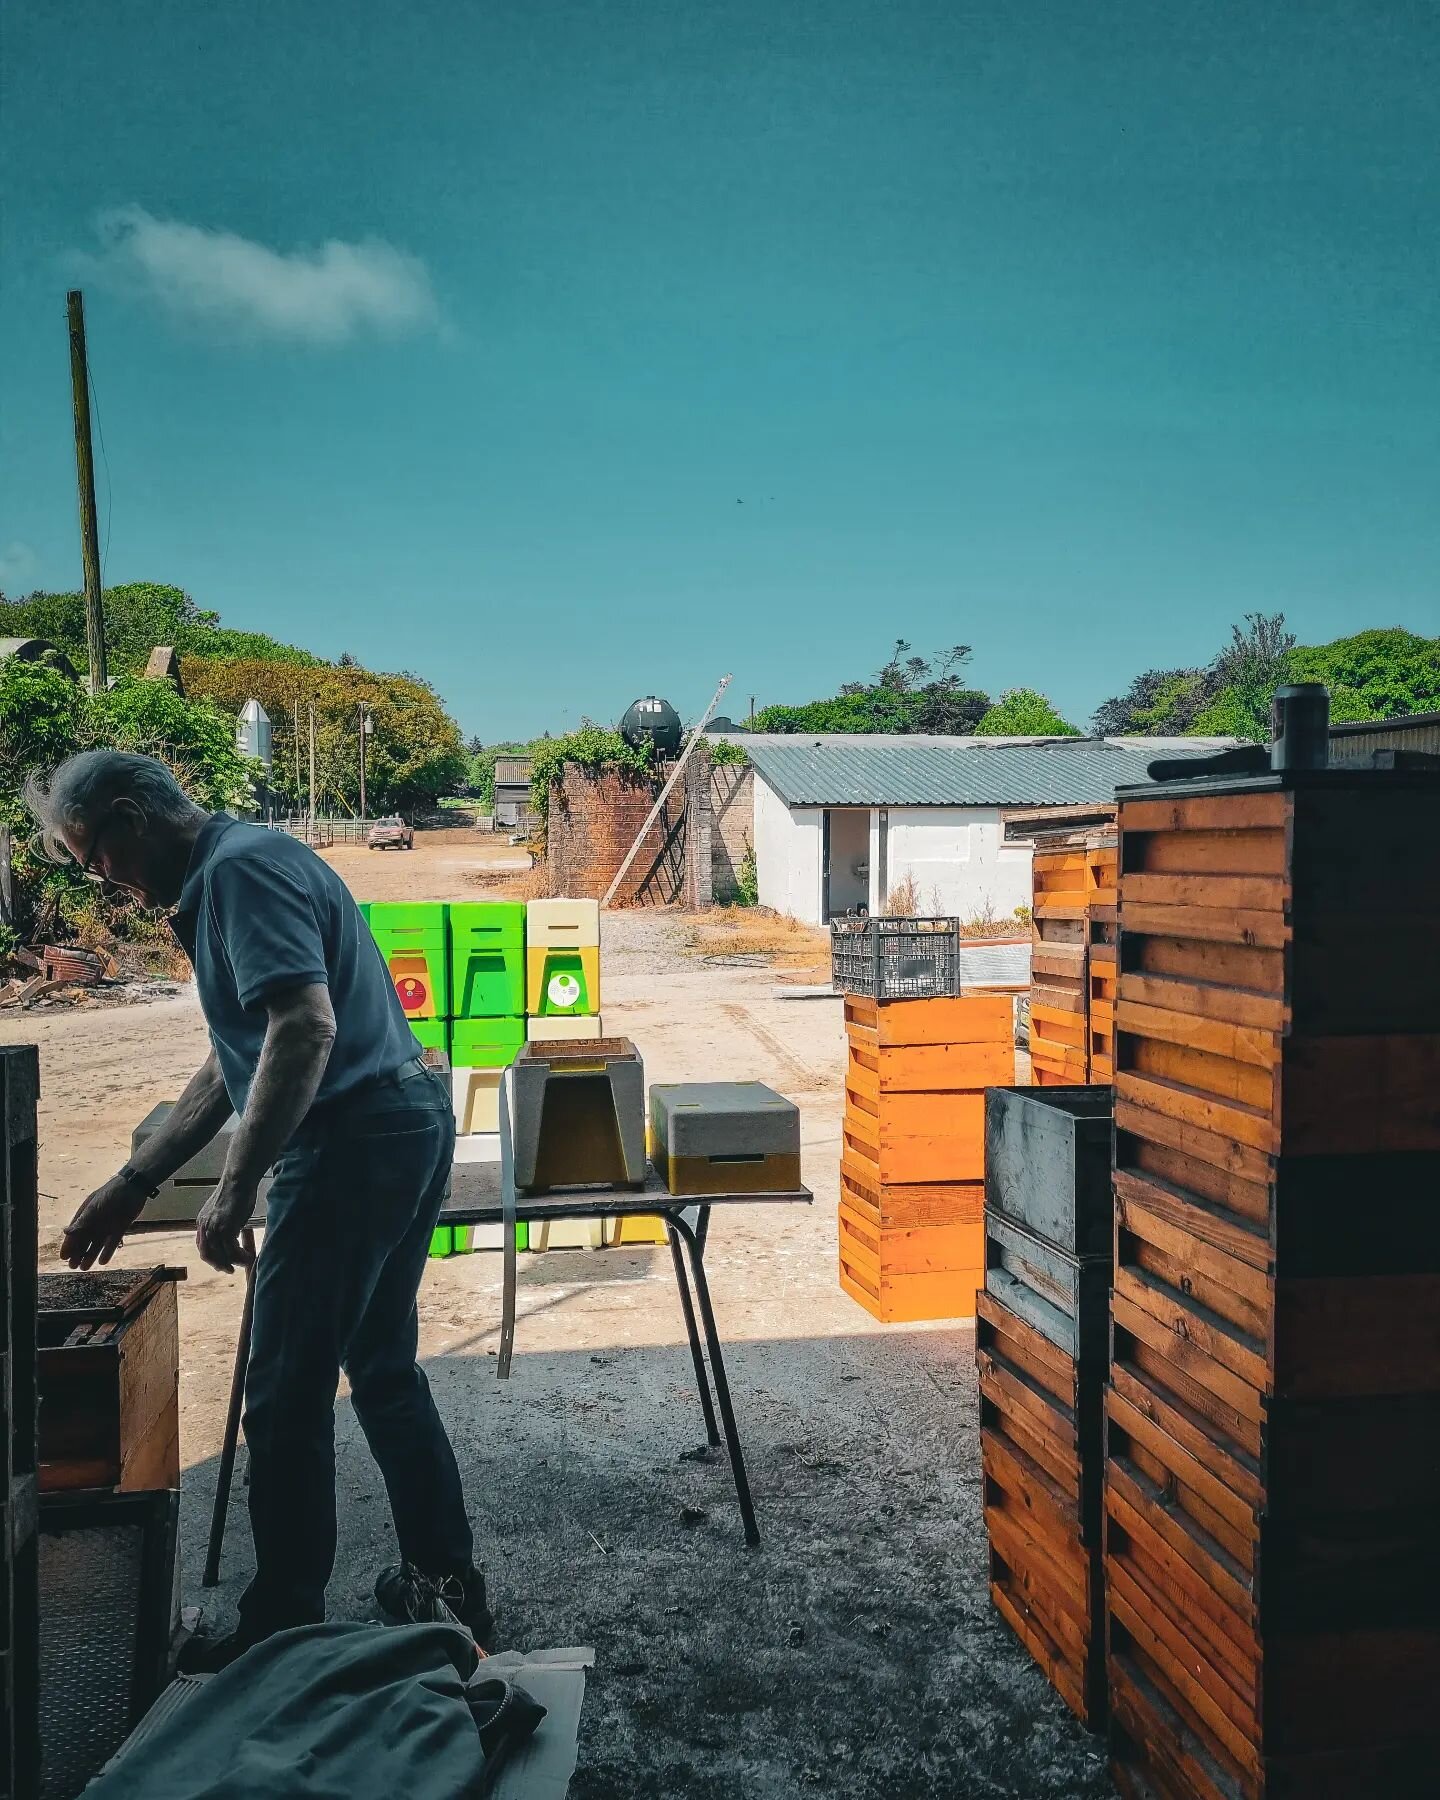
(855, 1653)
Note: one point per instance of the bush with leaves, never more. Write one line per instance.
(1243, 680)
(480, 778)
(138, 616)
(1375, 674)
(592, 748)
(726, 753)
(1378, 674)
(45, 717)
(1022, 712)
(414, 750)
(1159, 703)
(747, 878)
(909, 694)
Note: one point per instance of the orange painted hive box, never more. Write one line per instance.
(912, 1166)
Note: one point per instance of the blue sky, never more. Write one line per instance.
(654, 340)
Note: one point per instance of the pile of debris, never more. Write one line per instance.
(56, 973)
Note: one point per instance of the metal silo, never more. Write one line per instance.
(253, 732)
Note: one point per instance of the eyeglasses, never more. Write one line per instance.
(44, 847)
(87, 868)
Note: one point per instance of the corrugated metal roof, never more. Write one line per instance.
(866, 771)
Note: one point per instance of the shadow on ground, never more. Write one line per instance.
(854, 1654)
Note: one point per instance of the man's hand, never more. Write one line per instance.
(97, 1230)
(219, 1224)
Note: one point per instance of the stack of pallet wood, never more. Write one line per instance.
(19, 1540)
(1071, 956)
(912, 1163)
(1041, 1348)
(1272, 1481)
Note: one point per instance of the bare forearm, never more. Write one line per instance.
(194, 1120)
(292, 1064)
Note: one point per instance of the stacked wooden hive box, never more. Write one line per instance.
(1272, 1480)
(1041, 1348)
(1072, 958)
(1102, 933)
(912, 1164)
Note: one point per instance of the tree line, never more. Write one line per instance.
(1378, 674)
(414, 749)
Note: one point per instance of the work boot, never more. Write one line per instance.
(412, 1597)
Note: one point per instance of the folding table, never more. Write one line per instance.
(483, 1193)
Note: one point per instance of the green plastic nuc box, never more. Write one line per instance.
(487, 959)
(433, 1035)
(413, 939)
(485, 1043)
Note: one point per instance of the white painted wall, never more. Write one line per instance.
(789, 850)
(959, 859)
(957, 855)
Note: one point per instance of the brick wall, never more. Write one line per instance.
(593, 822)
(732, 803)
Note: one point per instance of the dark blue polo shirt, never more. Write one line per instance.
(260, 912)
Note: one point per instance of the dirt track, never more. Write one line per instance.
(855, 1654)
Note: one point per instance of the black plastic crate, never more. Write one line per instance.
(896, 959)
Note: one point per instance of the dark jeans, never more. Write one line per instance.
(351, 1213)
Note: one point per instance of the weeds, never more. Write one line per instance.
(747, 878)
(903, 900)
(987, 923)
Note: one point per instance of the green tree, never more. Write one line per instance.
(138, 616)
(482, 759)
(414, 751)
(1159, 703)
(908, 694)
(1380, 674)
(1022, 712)
(41, 711)
(1243, 680)
(45, 717)
(193, 735)
(592, 747)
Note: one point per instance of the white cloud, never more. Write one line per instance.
(327, 294)
(17, 564)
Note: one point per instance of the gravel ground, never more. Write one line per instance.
(854, 1654)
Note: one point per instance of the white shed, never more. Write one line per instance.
(844, 821)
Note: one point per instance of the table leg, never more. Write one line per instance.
(722, 1385)
(697, 1356)
(211, 1577)
(507, 1231)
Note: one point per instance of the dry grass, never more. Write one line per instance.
(756, 931)
(987, 923)
(903, 900)
(515, 884)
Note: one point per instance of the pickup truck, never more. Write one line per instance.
(391, 834)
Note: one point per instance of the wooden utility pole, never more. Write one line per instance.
(85, 478)
(311, 832)
(295, 746)
(364, 728)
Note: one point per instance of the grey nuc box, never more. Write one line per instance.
(724, 1137)
(579, 1115)
(181, 1197)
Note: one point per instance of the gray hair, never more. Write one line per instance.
(85, 785)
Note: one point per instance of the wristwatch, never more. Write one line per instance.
(132, 1178)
